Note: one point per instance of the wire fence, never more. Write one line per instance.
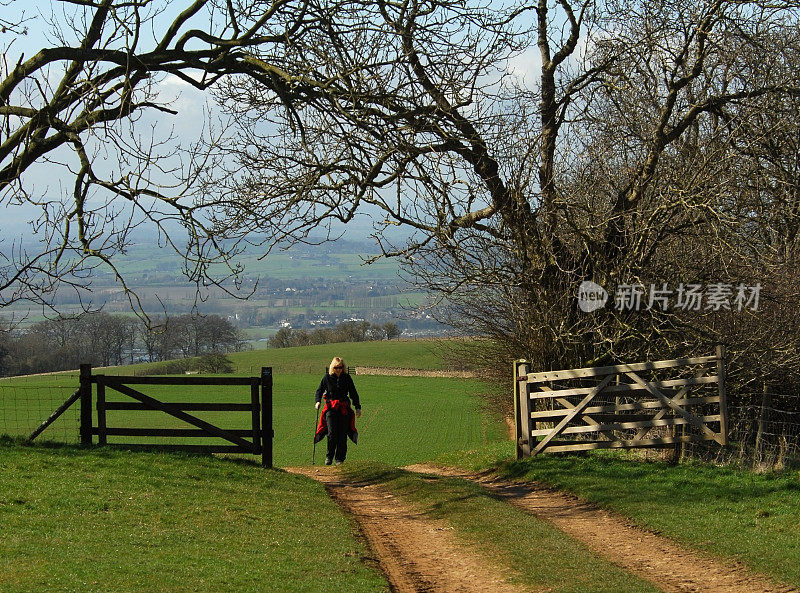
(762, 437)
(26, 402)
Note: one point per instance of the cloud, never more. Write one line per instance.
(183, 97)
(526, 67)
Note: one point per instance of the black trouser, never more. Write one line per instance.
(337, 435)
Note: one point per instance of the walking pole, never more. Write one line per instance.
(314, 451)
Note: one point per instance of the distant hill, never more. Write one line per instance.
(304, 286)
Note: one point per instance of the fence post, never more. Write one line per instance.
(766, 403)
(723, 399)
(522, 410)
(256, 417)
(86, 404)
(267, 433)
(102, 437)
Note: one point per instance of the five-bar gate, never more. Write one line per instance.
(648, 404)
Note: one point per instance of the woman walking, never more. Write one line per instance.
(338, 420)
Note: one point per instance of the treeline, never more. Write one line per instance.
(351, 331)
(102, 339)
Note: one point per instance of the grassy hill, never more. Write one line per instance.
(416, 354)
(182, 523)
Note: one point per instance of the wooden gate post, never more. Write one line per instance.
(86, 405)
(723, 399)
(266, 417)
(255, 404)
(102, 435)
(522, 409)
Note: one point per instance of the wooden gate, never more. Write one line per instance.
(648, 404)
(255, 439)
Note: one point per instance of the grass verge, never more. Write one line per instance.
(533, 552)
(110, 521)
(727, 512)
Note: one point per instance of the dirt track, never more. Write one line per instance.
(422, 555)
(652, 557)
(417, 554)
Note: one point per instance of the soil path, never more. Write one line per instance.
(654, 558)
(417, 554)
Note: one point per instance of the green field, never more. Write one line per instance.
(100, 521)
(405, 419)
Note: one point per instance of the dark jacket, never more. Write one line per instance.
(341, 388)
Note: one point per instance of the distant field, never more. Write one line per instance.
(287, 266)
(417, 354)
(325, 261)
(154, 272)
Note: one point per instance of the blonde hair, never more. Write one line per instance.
(337, 361)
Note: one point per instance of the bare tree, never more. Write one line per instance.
(78, 109)
(612, 164)
(615, 164)
(761, 236)
(609, 167)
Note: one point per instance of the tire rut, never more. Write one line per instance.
(655, 558)
(418, 554)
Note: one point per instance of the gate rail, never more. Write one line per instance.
(648, 404)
